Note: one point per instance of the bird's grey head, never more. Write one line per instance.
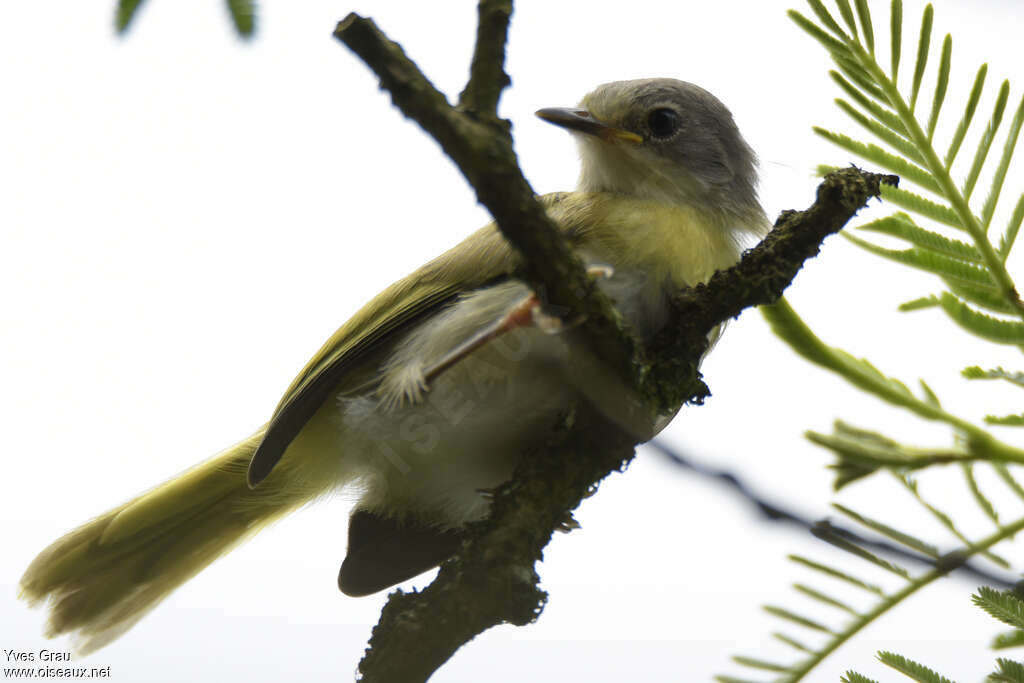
(663, 139)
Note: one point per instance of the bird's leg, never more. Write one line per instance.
(528, 312)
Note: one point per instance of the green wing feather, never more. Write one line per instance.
(481, 259)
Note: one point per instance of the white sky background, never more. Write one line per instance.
(186, 218)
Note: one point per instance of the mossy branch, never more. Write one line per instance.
(491, 580)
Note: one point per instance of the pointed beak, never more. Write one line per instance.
(582, 121)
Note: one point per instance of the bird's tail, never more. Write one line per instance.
(104, 576)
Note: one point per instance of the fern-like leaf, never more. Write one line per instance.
(1005, 606)
(897, 164)
(825, 599)
(838, 574)
(1005, 420)
(986, 140)
(1004, 473)
(1012, 228)
(882, 114)
(899, 536)
(902, 226)
(762, 664)
(977, 323)
(968, 116)
(864, 14)
(795, 618)
(932, 262)
(1009, 671)
(924, 42)
(905, 199)
(896, 36)
(828, 42)
(883, 133)
(980, 498)
(981, 296)
(243, 16)
(828, 533)
(908, 667)
(125, 14)
(941, 84)
(854, 677)
(1005, 641)
(1004, 164)
(792, 642)
(975, 372)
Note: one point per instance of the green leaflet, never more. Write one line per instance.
(918, 304)
(826, 18)
(895, 140)
(896, 35)
(1004, 473)
(886, 530)
(847, 13)
(975, 372)
(899, 165)
(929, 395)
(125, 14)
(1005, 606)
(941, 84)
(792, 642)
(864, 14)
(1005, 420)
(825, 532)
(906, 199)
(815, 594)
(1004, 164)
(854, 677)
(1003, 641)
(1012, 228)
(933, 262)
(980, 498)
(243, 16)
(918, 672)
(837, 574)
(755, 663)
(982, 296)
(986, 140)
(923, 44)
(828, 42)
(943, 518)
(881, 113)
(1008, 671)
(968, 116)
(984, 326)
(783, 613)
(901, 225)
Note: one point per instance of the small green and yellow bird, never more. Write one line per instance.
(427, 397)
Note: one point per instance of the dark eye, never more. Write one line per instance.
(663, 123)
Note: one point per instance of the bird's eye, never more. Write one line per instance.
(663, 123)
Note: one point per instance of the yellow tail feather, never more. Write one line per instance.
(104, 576)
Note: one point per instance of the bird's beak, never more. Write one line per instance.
(583, 121)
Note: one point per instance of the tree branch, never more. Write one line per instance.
(492, 579)
(481, 146)
(487, 77)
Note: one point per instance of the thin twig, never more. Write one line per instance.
(487, 77)
(777, 512)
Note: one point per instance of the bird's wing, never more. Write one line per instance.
(483, 258)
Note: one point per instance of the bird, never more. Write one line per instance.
(427, 397)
